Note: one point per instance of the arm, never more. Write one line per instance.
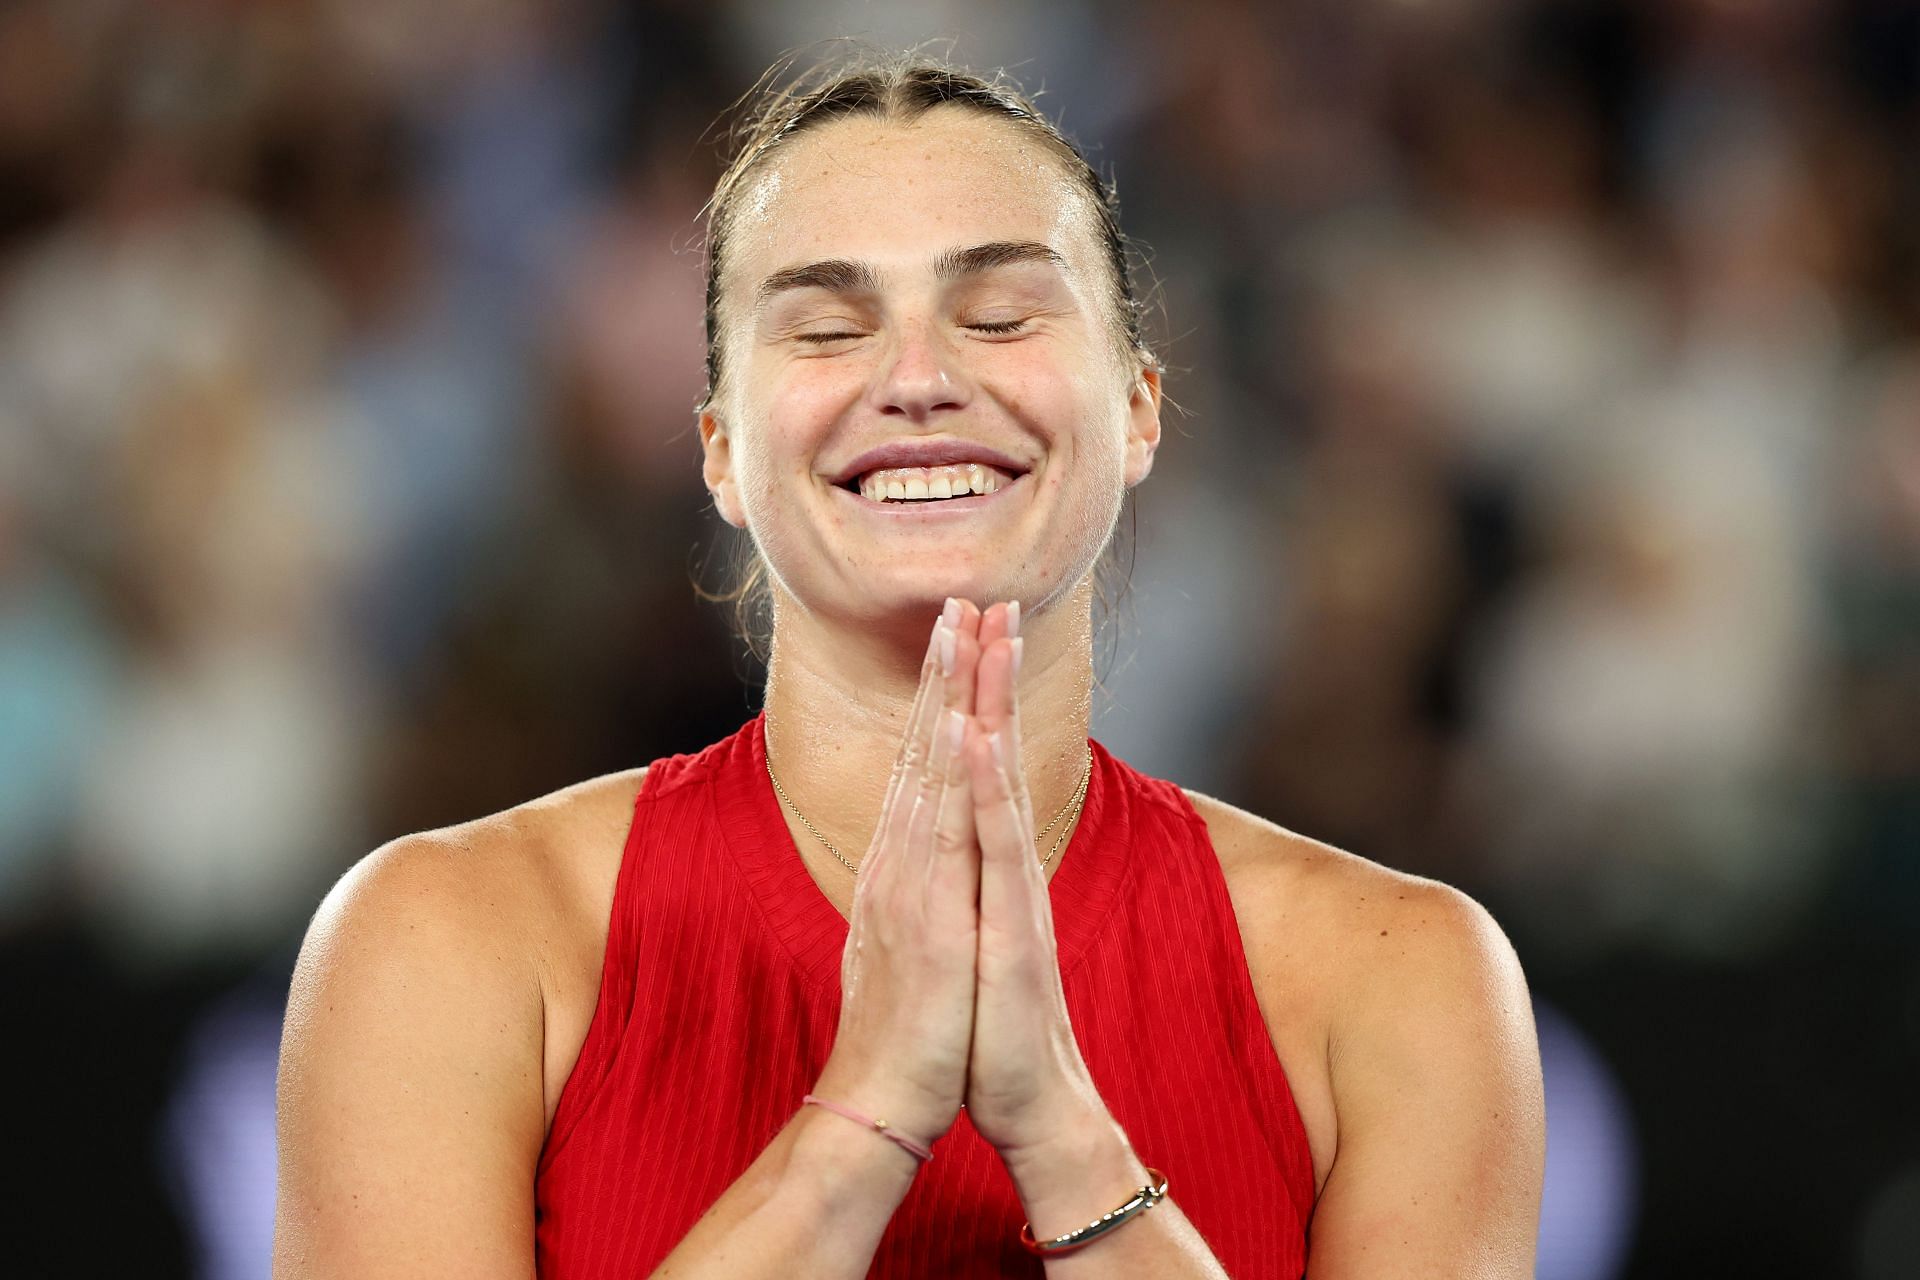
(817, 1201)
(412, 1105)
(814, 1204)
(1435, 1070)
(1089, 1170)
(1029, 1092)
(411, 1108)
(1442, 1140)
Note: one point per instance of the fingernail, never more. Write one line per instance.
(1018, 644)
(951, 614)
(947, 639)
(956, 731)
(999, 756)
(1013, 617)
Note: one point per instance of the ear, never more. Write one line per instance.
(717, 469)
(1143, 424)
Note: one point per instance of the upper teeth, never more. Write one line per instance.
(902, 483)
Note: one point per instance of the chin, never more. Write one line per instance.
(910, 590)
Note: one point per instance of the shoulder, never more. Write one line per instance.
(497, 897)
(413, 1097)
(505, 878)
(492, 918)
(1367, 920)
(1409, 1014)
(1351, 958)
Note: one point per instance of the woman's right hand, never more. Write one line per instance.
(907, 974)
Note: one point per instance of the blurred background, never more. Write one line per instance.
(1543, 516)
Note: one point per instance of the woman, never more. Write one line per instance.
(663, 1023)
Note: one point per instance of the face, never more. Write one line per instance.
(937, 290)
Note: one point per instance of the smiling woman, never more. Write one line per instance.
(664, 1022)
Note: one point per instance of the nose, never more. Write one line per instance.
(919, 378)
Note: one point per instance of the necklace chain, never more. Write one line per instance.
(1079, 796)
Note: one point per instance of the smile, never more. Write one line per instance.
(920, 498)
(929, 484)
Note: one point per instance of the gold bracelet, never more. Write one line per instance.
(1143, 1199)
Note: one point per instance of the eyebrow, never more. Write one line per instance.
(955, 263)
(840, 275)
(836, 275)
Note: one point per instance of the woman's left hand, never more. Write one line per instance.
(1027, 1086)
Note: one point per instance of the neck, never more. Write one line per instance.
(837, 702)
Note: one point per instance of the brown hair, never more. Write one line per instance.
(896, 87)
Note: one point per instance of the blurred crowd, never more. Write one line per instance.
(1541, 511)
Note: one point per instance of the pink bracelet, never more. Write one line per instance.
(879, 1126)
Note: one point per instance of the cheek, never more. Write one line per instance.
(1090, 469)
(809, 395)
(1076, 414)
(791, 412)
(1083, 428)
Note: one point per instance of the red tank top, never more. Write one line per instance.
(720, 995)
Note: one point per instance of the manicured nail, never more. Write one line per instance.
(956, 731)
(947, 637)
(999, 755)
(951, 614)
(1018, 643)
(1013, 618)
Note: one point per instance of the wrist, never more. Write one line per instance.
(1082, 1170)
(841, 1168)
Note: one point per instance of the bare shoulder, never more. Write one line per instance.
(415, 1062)
(1354, 960)
(1361, 919)
(520, 880)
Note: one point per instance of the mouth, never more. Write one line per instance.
(925, 471)
(920, 485)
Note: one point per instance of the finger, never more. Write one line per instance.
(964, 617)
(1012, 623)
(918, 843)
(996, 708)
(917, 742)
(991, 702)
(969, 621)
(947, 741)
(1015, 738)
(953, 869)
(1012, 884)
(1001, 618)
(916, 746)
(900, 853)
(960, 685)
(999, 625)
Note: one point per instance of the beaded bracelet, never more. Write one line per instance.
(1143, 1199)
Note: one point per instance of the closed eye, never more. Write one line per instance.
(826, 337)
(998, 326)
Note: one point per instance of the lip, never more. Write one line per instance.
(931, 510)
(920, 452)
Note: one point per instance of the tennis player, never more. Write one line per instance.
(907, 977)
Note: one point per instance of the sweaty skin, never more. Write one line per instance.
(447, 983)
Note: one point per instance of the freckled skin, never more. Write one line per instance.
(1391, 1055)
(1058, 396)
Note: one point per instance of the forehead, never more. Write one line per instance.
(897, 194)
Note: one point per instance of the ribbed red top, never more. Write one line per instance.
(720, 995)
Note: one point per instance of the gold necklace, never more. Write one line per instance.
(1079, 796)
